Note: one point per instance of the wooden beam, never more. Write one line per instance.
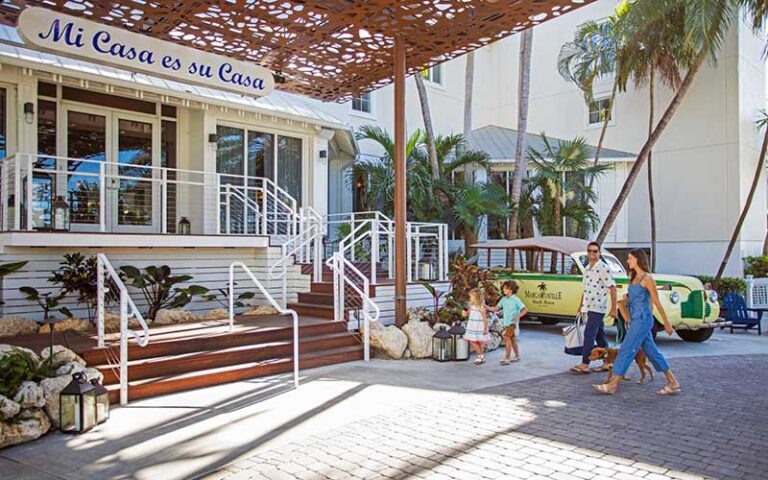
(401, 273)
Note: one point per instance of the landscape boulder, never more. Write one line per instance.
(391, 341)
(26, 426)
(69, 369)
(173, 316)
(419, 338)
(216, 314)
(8, 408)
(61, 356)
(30, 395)
(6, 349)
(76, 324)
(10, 326)
(494, 340)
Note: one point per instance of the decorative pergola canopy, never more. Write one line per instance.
(330, 50)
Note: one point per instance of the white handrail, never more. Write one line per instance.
(271, 300)
(287, 255)
(104, 266)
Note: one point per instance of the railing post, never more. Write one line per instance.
(102, 198)
(352, 241)
(750, 291)
(17, 194)
(390, 249)
(227, 210)
(217, 189)
(123, 348)
(374, 248)
(366, 321)
(30, 187)
(417, 252)
(264, 230)
(231, 297)
(4, 194)
(164, 201)
(100, 300)
(409, 252)
(443, 258)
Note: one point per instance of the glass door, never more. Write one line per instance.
(134, 185)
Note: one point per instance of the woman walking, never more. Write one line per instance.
(643, 296)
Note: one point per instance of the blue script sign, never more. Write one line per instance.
(72, 36)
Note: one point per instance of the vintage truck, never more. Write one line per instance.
(549, 272)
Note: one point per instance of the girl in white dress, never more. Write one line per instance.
(477, 325)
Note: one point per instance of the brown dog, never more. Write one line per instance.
(608, 356)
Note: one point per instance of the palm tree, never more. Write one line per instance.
(590, 56)
(705, 23)
(469, 84)
(561, 176)
(523, 94)
(472, 202)
(430, 133)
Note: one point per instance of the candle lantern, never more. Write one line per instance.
(185, 226)
(77, 405)
(442, 345)
(102, 402)
(60, 214)
(460, 346)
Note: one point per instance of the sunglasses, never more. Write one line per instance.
(593, 251)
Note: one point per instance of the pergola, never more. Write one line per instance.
(332, 50)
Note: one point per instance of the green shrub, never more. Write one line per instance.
(160, 289)
(757, 266)
(725, 285)
(17, 367)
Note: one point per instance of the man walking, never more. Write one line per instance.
(599, 285)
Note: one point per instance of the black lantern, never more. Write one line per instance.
(185, 227)
(102, 402)
(60, 214)
(460, 346)
(442, 345)
(77, 405)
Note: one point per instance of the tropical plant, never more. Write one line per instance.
(435, 297)
(160, 289)
(47, 301)
(77, 275)
(222, 298)
(705, 23)
(466, 275)
(471, 202)
(757, 266)
(7, 268)
(523, 94)
(725, 285)
(559, 187)
(429, 131)
(17, 367)
(762, 122)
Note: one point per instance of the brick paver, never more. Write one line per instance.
(553, 428)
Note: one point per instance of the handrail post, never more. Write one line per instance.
(164, 201)
(390, 250)
(17, 194)
(102, 198)
(408, 252)
(318, 261)
(264, 230)
(227, 210)
(30, 187)
(100, 301)
(4, 194)
(442, 248)
(231, 297)
(417, 252)
(374, 248)
(217, 189)
(366, 322)
(123, 348)
(353, 241)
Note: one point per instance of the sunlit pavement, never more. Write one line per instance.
(412, 419)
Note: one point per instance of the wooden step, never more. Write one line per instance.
(203, 360)
(327, 287)
(313, 310)
(151, 387)
(209, 339)
(319, 298)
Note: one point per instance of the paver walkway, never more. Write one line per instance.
(556, 428)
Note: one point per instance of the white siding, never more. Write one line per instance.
(418, 296)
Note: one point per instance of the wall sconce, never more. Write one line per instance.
(29, 112)
(323, 153)
(213, 138)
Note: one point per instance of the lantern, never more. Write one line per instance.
(460, 346)
(102, 402)
(442, 348)
(60, 214)
(185, 227)
(77, 405)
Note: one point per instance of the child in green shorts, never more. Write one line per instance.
(514, 309)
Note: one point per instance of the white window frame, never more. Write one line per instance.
(430, 74)
(599, 124)
(363, 113)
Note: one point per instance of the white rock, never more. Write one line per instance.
(30, 395)
(62, 355)
(419, 338)
(261, 310)
(91, 373)
(69, 368)
(172, 316)
(216, 314)
(10, 326)
(406, 354)
(52, 387)
(8, 408)
(493, 342)
(75, 324)
(390, 340)
(6, 349)
(112, 322)
(27, 426)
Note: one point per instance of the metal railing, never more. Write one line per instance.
(281, 310)
(103, 267)
(352, 294)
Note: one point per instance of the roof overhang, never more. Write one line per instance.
(330, 50)
(566, 245)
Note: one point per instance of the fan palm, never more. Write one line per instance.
(472, 203)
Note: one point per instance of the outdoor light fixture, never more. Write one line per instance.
(61, 215)
(29, 112)
(323, 153)
(442, 345)
(185, 226)
(460, 346)
(213, 138)
(77, 411)
(279, 77)
(102, 402)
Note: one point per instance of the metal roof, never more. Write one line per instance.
(499, 143)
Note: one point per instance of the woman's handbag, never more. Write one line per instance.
(574, 337)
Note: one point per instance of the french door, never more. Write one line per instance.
(127, 147)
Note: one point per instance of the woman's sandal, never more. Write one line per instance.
(601, 368)
(667, 390)
(479, 360)
(603, 388)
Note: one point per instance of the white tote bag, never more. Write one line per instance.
(574, 337)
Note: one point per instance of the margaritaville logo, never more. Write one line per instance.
(74, 36)
(542, 293)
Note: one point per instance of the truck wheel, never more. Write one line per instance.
(696, 336)
(549, 321)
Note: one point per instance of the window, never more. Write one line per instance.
(598, 110)
(363, 103)
(433, 74)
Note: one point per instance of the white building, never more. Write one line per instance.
(703, 163)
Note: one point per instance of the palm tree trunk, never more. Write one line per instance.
(603, 130)
(523, 93)
(651, 199)
(745, 210)
(765, 242)
(652, 139)
(469, 85)
(427, 124)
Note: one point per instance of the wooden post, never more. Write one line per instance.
(400, 184)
